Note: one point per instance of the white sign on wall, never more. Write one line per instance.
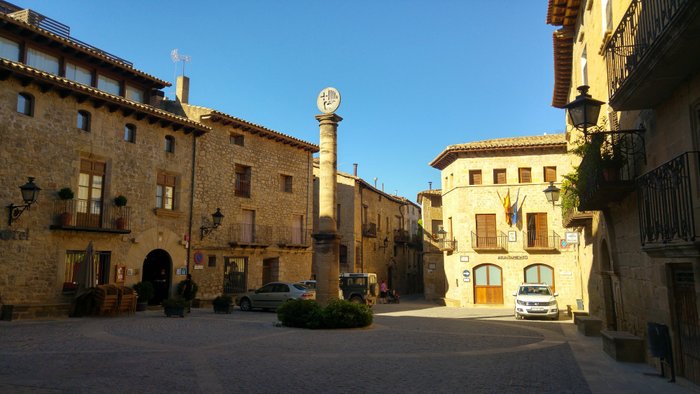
(571, 237)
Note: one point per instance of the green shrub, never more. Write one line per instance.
(299, 313)
(144, 290)
(181, 287)
(174, 302)
(222, 301)
(338, 314)
(345, 314)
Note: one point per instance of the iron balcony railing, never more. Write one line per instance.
(492, 242)
(667, 203)
(84, 215)
(249, 234)
(369, 230)
(538, 241)
(402, 236)
(448, 243)
(610, 163)
(293, 236)
(642, 25)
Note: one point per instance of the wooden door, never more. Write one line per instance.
(488, 284)
(537, 230)
(247, 226)
(90, 185)
(687, 324)
(486, 231)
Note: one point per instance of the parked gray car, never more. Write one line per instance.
(274, 294)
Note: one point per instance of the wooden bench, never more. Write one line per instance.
(623, 346)
(34, 311)
(589, 326)
(107, 299)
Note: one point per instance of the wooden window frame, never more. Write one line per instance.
(552, 177)
(243, 181)
(475, 177)
(496, 174)
(524, 175)
(27, 102)
(163, 182)
(86, 120)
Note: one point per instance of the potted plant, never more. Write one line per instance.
(145, 292)
(121, 221)
(611, 162)
(223, 304)
(174, 306)
(65, 195)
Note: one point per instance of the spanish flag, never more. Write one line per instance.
(506, 207)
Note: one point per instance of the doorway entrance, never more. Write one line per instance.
(157, 269)
(271, 270)
(687, 325)
(488, 284)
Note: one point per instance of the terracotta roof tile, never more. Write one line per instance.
(499, 144)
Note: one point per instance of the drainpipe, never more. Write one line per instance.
(189, 229)
(362, 236)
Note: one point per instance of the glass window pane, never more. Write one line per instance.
(531, 275)
(546, 275)
(24, 104)
(134, 94)
(159, 196)
(9, 49)
(494, 275)
(480, 276)
(78, 74)
(42, 61)
(108, 85)
(168, 203)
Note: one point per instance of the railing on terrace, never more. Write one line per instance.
(58, 28)
(402, 236)
(666, 201)
(84, 215)
(641, 26)
(249, 234)
(533, 241)
(293, 236)
(491, 242)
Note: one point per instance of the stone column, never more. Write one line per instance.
(327, 240)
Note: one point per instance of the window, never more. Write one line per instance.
(606, 7)
(540, 273)
(130, 133)
(550, 174)
(42, 61)
(243, 179)
(298, 229)
(170, 144)
(25, 104)
(286, 183)
(83, 122)
(475, 177)
(108, 85)
(499, 176)
(435, 227)
(234, 275)
(165, 191)
(247, 223)
(524, 175)
(236, 139)
(537, 230)
(134, 94)
(211, 259)
(486, 231)
(100, 260)
(78, 74)
(436, 201)
(90, 188)
(9, 49)
(343, 251)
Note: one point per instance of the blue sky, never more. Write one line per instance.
(415, 76)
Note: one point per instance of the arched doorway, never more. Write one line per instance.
(540, 273)
(607, 273)
(488, 284)
(157, 269)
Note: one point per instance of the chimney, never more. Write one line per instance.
(182, 89)
(430, 185)
(157, 98)
(354, 170)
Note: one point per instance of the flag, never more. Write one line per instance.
(514, 210)
(507, 207)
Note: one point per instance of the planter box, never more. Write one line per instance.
(174, 311)
(223, 308)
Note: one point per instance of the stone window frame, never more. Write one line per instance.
(524, 175)
(25, 103)
(497, 174)
(286, 183)
(84, 120)
(130, 133)
(549, 173)
(243, 180)
(169, 144)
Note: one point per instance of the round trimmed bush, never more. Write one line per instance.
(299, 313)
(345, 314)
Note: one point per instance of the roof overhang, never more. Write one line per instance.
(452, 153)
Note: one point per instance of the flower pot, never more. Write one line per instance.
(65, 219)
(120, 223)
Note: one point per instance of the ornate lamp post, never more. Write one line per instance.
(30, 192)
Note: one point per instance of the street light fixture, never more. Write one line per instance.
(385, 243)
(552, 193)
(584, 110)
(216, 217)
(30, 192)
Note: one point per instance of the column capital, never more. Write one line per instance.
(325, 118)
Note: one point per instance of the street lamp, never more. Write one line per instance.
(30, 192)
(584, 110)
(552, 193)
(385, 243)
(216, 218)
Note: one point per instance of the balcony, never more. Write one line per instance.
(647, 55)
(668, 204)
(369, 230)
(293, 237)
(541, 243)
(447, 244)
(609, 166)
(402, 236)
(248, 235)
(575, 218)
(492, 243)
(83, 215)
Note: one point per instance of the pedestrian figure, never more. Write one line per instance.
(383, 288)
(187, 289)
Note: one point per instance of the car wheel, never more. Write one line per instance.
(245, 305)
(517, 316)
(356, 300)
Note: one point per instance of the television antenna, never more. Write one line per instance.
(179, 58)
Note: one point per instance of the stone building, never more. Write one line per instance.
(262, 182)
(74, 116)
(498, 229)
(637, 191)
(434, 280)
(379, 233)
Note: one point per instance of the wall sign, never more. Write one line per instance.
(571, 237)
(464, 259)
(198, 258)
(512, 236)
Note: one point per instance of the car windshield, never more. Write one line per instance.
(534, 290)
